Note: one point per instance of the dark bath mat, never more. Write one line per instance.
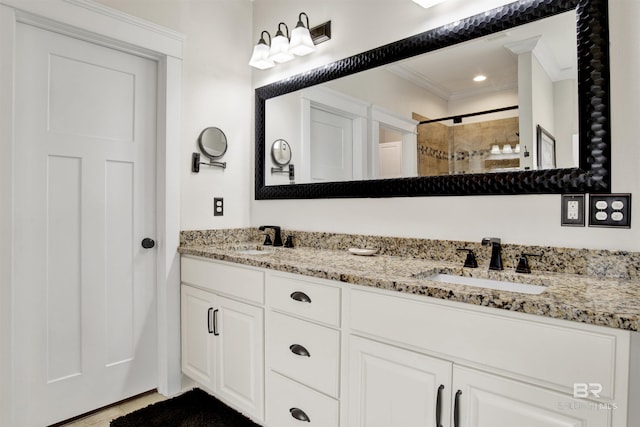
(194, 408)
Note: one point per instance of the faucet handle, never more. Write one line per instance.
(523, 263)
(288, 243)
(267, 240)
(470, 261)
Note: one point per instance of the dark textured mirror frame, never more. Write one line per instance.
(593, 173)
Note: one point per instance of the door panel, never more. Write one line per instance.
(331, 146)
(391, 386)
(64, 268)
(491, 401)
(84, 199)
(198, 347)
(240, 355)
(390, 159)
(96, 90)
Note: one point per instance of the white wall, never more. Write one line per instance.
(463, 218)
(216, 92)
(565, 93)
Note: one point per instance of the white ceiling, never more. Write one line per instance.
(449, 72)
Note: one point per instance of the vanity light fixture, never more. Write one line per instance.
(428, 3)
(301, 42)
(260, 57)
(280, 46)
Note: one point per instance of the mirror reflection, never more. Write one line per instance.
(280, 152)
(428, 116)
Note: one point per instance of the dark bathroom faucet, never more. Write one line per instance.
(277, 238)
(496, 252)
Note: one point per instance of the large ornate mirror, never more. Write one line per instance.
(455, 137)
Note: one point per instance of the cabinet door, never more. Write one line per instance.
(486, 400)
(390, 386)
(198, 359)
(240, 355)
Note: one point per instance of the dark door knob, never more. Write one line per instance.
(148, 243)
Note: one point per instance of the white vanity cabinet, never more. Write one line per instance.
(303, 351)
(497, 369)
(222, 328)
(332, 354)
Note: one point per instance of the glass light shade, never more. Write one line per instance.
(428, 3)
(301, 43)
(280, 49)
(260, 57)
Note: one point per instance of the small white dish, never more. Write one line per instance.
(506, 149)
(495, 149)
(363, 251)
(517, 149)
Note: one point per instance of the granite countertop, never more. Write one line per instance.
(599, 301)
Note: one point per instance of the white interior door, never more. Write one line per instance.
(84, 307)
(331, 146)
(390, 159)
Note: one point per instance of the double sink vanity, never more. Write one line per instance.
(409, 336)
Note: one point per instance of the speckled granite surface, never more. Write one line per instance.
(600, 288)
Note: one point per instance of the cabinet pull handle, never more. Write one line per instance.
(299, 414)
(215, 322)
(456, 409)
(209, 320)
(439, 406)
(300, 296)
(299, 350)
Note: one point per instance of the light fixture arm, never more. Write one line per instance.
(280, 33)
(300, 23)
(262, 38)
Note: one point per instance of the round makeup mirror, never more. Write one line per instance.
(280, 152)
(212, 142)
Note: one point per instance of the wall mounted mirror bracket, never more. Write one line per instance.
(213, 144)
(195, 163)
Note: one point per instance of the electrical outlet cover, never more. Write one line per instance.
(610, 210)
(218, 206)
(572, 210)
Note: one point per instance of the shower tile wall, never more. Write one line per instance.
(464, 148)
(433, 148)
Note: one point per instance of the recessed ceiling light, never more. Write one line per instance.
(479, 78)
(428, 3)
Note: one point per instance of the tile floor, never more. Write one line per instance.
(103, 417)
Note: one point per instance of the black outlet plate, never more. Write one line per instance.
(610, 210)
(218, 206)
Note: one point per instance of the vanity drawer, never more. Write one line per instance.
(304, 351)
(549, 351)
(241, 282)
(304, 298)
(286, 398)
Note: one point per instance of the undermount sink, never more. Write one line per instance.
(486, 283)
(255, 250)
